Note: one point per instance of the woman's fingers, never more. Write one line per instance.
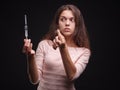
(27, 42)
(57, 42)
(55, 45)
(27, 46)
(60, 36)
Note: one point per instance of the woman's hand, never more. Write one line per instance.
(59, 40)
(27, 48)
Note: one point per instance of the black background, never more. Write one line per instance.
(101, 18)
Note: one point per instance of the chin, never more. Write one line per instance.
(67, 34)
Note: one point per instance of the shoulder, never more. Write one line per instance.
(45, 43)
(83, 50)
(86, 52)
(42, 42)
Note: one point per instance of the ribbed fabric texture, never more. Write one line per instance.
(52, 75)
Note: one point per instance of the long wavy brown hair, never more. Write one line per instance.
(80, 34)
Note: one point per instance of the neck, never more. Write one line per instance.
(70, 42)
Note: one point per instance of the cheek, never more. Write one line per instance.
(73, 27)
(61, 26)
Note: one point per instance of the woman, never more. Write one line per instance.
(63, 53)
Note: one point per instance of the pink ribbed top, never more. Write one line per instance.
(52, 75)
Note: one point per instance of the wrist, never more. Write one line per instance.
(63, 46)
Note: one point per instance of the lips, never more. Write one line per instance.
(67, 29)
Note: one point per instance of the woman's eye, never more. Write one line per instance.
(63, 19)
(72, 19)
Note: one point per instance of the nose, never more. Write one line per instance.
(67, 23)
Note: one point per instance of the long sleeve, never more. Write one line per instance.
(51, 69)
(82, 62)
(39, 57)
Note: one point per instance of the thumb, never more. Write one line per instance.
(60, 36)
(59, 33)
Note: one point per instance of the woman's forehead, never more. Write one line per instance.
(67, 13)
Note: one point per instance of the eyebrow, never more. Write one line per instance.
(66, 17)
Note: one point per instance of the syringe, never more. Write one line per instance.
(26, 30)
(26, 27)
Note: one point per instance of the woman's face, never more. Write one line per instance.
(67, 23)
